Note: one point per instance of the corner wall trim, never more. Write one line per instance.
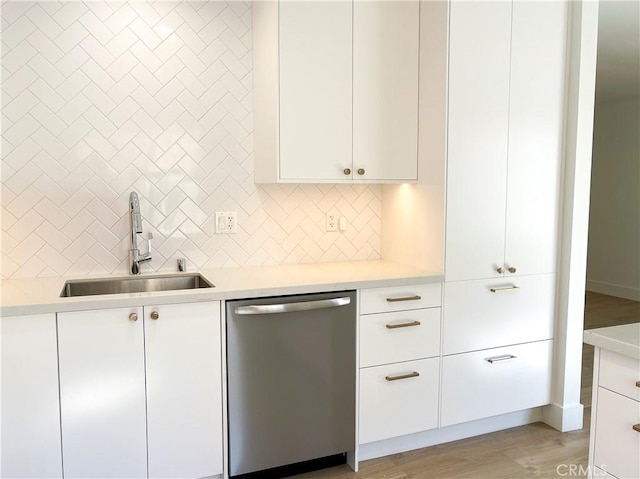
(564, 418)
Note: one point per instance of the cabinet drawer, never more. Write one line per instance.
(617, 444)
(399, 336)
(487, 383)
(620, 374)
(475, 317)
(390, 408)
(400, 298)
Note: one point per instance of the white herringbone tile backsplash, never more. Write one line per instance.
(102, 98)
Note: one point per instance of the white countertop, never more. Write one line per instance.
(623, 339)
(42, 295)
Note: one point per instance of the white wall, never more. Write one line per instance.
(101, 98)
(613, 261)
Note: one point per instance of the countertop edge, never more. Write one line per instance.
(244, 284)
(606, 338)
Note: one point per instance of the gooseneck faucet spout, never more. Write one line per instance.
(135, 221)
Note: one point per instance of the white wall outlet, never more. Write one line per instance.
(226, 222)
(332, 222)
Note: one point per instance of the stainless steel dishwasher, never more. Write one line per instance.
(291, 366)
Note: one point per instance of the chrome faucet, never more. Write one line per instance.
(135, 220)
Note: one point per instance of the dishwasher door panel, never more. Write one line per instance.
(291, 382)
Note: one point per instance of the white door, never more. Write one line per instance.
(102, 393)
(386, 35)
(315, 89)
(538, 60)
(30, 401)
(480, 35)
(184, 389)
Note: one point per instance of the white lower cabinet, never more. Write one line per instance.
(615, 418)
(113, 422)
(617, 443)
(399, 332)
(495, 381)
(398, 399)
(30, 409)
(489, 313)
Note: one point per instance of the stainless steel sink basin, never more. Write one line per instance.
(139, 284)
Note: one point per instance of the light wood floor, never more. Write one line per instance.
(535, 450)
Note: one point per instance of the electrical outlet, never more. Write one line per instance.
(226, 222)
(332, 222)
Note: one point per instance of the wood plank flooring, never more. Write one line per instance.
(534, 450)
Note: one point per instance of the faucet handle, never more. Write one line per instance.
(149, 238)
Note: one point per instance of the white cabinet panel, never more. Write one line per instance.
(399, 298)
(102, 394)
(385, 89)
(495, 381)
(30, 401)
(535, 135)
(617, 444)
(390, 408)
(315, 89)
(477, 139)
(477, 318)
(400, 336)
(184, 394)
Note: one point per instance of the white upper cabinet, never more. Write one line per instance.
(536, 115)
(315, 89)
(335, 91)
(506, 83)
(385, 89)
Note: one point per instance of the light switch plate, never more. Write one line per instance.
(226, 222)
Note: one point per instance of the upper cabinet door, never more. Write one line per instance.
(315, 55)
(480, 35)
(535, 135)
(385, 89)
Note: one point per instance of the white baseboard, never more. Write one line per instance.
(563, 418)
(447, 434)
(611, 289)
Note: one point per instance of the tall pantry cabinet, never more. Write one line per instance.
(505, 129)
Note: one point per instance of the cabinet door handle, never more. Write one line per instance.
(154, 315)
(499, 270)
(361, 171)
(497, 359)
(347, 171)
(636, 427)
(414, 374)
(638, 384)
(133, 317)
(402, 325)
(505, 290)
(404, 298)
(512, 269)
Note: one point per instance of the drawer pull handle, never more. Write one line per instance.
(638, 384)
(636, 427)
(497, 359)
(403, 325)
(404, 298)
(504, 290)
(414, 374)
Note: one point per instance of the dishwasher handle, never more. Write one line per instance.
(292, 307)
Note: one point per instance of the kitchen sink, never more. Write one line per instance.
(141, 284)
